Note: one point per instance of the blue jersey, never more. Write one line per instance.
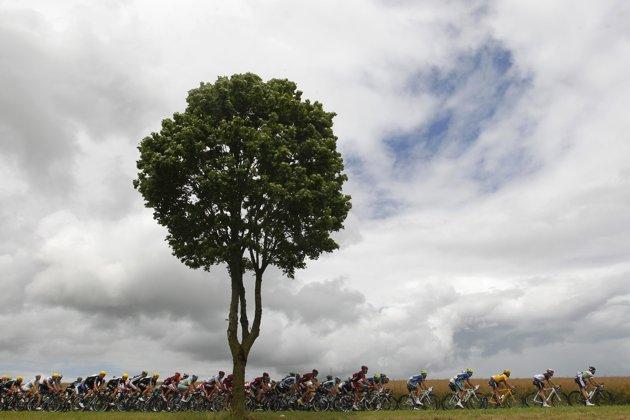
(464, 376)
(415, 380)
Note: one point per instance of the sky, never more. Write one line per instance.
(488, 156)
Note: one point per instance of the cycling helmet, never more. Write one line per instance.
(19, 379)
(194, 378)
(315, 372)
(79, 379)
(337, 379)
(125, 375)
(221, 373)
(365, 368)
(469, 371)
(329, 377)
(102, 373)
(178, 374)
(507, 372)
(56, 375)
(550, 371)
(38, 376)
(424, 373)
(591, 369)
(155, 375)
(144, 373)
(265, 375)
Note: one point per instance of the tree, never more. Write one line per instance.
(247, 176)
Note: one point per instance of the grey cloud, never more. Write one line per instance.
(329, 303)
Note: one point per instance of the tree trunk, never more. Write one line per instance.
(240, 349)
(238, 390)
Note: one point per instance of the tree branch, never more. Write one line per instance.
(247, 344)
(244, 320)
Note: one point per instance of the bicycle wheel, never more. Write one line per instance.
(533, 400)
(344, 403)
(603, 398)
(430, 402)
(449, 402)
(576, 398)
(388, 402)
(405, 402)
(475, 402)
(559, 399)
(513, 401)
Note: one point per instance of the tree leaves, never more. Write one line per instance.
(247, 169)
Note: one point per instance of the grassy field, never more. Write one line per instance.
(615, 412)
(619, 386)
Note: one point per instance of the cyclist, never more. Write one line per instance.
(288, 383)
(32, 387)
(459, 383)
(330, 385)
(357, 382)
(72, 390)
(113, 384)
(371, 382)
(228, 382)
(496, 381)
(73, 387)
(9, 386)
(93, 383)
(586, 378)
(147, 384)
(187, 385)
(212, 385)
(170, 384)
(539, 383)
(259, 386)
(132, 384)
(415, 384)
(51, 384)
(308, 383)
(124, 385)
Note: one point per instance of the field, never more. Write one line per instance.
(619, 386)
(616, 412)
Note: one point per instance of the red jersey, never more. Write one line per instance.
(307, 377)
(256, 383)
(359, 376)
(172, 380)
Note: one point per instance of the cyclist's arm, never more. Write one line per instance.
(551, 383)
(423, 386)
(507, 385)
(469, 383)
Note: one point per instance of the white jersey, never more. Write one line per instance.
(540, 377)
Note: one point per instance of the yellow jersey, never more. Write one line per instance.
(500, 378)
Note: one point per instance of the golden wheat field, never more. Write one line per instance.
(619, 386)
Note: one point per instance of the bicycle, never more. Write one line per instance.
(427, 399)
(555, 398)
(597, 396)
(472, 399)
(507, 398)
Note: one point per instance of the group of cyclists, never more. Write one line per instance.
(459, 383)
(305, 385)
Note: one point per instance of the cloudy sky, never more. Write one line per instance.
(488, 153)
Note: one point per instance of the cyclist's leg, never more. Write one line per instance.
(541, 389)
(582, 387)
(495, 391)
